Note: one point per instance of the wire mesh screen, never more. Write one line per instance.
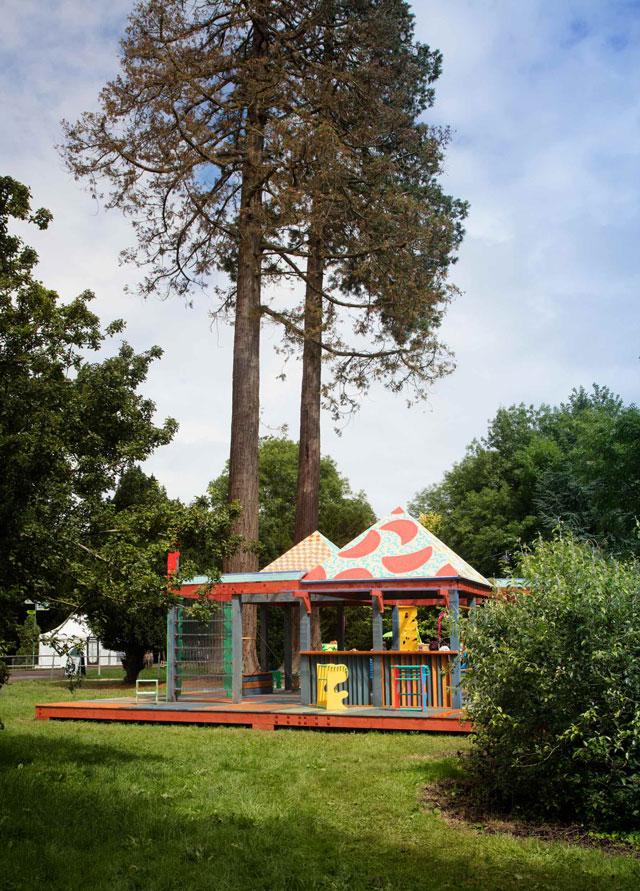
(203, 655)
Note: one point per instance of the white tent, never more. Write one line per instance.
(74, 630)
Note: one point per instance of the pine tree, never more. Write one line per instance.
(271, 139)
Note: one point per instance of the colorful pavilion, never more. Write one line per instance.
(394, 564)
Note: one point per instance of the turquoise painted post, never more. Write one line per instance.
(289, 616)
(305, 661)
(236, 648)
(227, 648)
(171, 655)
(456, 675)
(376, 629)
(395, 628)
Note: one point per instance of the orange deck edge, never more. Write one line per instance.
(256, 720)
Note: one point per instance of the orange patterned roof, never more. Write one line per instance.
(397, 546)
(307, 554)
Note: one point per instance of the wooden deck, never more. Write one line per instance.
(259, 713)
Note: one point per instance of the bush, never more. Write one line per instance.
(555, 688)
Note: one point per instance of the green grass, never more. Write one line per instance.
(116, 672)
(109, 806)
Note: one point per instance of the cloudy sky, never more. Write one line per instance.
(544, 101)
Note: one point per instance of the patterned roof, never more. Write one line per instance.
(308, 553)
(397, 546)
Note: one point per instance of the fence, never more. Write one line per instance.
(199, 655)
(53, 662)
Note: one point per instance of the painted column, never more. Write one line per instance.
(340, 627)
(288, 654)
(395, 628)
(376, 636)
(305, 644)
(264, 624)
(171, 654)
(236, 648)
(454, 643)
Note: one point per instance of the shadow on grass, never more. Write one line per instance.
(75, 815)
(19, 749)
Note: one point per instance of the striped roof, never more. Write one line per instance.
(308, 553)
(397, 546)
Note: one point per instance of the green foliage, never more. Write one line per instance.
(80, 524)
(342, 514)
(555, 687)
(576, 465)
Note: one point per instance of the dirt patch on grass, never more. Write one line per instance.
(451, 799)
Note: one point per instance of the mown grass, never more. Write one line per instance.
(109, 806)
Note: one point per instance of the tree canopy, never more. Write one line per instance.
(576, 465)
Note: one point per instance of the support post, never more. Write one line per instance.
(340, 629)
(236, 648)
(264, 624)
(305, 662)
(288, 651)
(454, 643)
(376, 636)
(171, 654)
(395, 628)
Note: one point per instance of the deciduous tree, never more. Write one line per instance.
(576, 465)
(68, 426)
(122, 579)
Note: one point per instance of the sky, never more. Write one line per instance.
(543, 100)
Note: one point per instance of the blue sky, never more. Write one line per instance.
(544, 102)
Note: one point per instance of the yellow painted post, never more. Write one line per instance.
(321, 701)
(408, 621)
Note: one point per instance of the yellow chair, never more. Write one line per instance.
(329, 676)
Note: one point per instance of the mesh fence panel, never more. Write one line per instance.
(203, 655)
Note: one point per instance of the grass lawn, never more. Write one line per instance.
(107, 806)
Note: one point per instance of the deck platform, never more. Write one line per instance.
(259, 713)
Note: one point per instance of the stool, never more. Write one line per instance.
(410, 687)
(153, 692)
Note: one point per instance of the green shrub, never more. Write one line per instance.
(555, 689)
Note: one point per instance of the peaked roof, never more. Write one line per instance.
(308, 553)
(397, 546)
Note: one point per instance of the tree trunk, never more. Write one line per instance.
(133, 663)
(307, 498)
(243, 461)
